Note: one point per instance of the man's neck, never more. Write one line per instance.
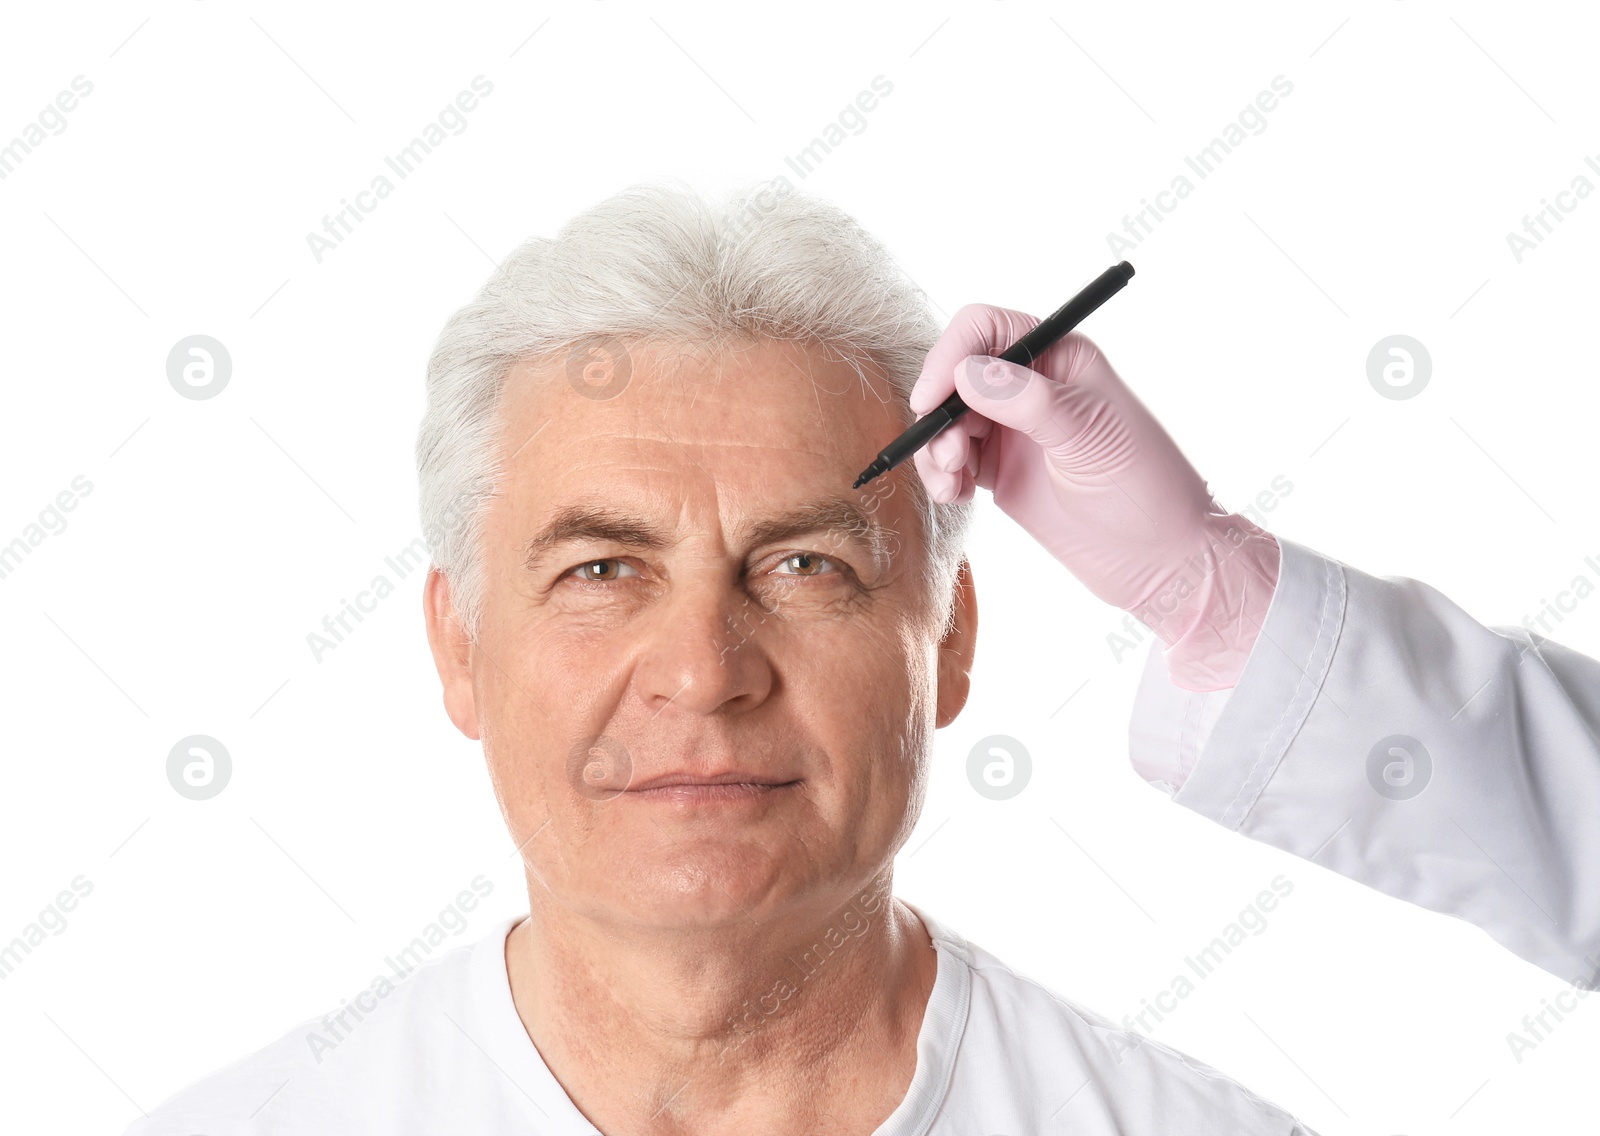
(804, 1024)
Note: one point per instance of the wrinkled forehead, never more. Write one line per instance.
(786, 400)
(738, 429)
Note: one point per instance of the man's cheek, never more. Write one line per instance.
(527, 773)
(599, 767)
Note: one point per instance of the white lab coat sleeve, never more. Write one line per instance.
(1378, 730)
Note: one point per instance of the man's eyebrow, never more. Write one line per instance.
(835, 515)
(838, 516)
(597, 523)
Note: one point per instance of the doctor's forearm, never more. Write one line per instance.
(1379, 730)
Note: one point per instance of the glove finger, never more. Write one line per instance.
(976, 329)
(968, 489)
(949, 450)
(1019, 398)
(938, 483)
(986, 469)
(974, 459)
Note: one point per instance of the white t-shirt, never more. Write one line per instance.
(445, 1051)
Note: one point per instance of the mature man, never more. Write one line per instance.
(706, 676)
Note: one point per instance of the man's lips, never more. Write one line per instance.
(690, 781)
(726, 789)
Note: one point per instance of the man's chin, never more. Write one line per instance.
(720, 887)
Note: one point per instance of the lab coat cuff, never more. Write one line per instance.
(1232, 745)
(1276, 689)
(1170, 724)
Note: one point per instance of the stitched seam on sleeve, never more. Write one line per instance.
(1188, 732)
(1299, 705)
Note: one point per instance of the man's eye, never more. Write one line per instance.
(582, 570)
(595, 571)
(809, 562)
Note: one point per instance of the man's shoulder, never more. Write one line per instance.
(320, 1066)
(1044, 1038)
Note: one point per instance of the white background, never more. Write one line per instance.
(218, 533)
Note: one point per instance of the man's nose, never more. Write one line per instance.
(703, 654)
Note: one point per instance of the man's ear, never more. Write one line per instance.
(957, 648)
(452, 653)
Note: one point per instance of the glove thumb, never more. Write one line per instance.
(1017, 397)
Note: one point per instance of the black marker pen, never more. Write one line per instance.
(1023, 352)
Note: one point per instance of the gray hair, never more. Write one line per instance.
(661, 262)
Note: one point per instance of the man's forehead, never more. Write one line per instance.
(754, 394)
(662, 461)
(646, 444)
(719, 443)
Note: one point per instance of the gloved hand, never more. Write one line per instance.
(1075, 458)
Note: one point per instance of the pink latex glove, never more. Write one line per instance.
(1075, 458)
